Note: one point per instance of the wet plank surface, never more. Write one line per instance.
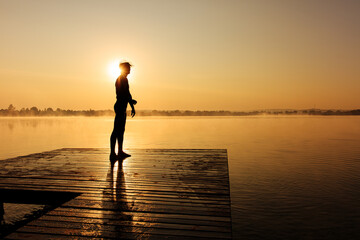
(154, 194)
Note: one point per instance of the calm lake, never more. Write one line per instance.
(291, 177)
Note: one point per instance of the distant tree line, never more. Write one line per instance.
(34, 111)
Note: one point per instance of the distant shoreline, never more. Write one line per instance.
(35, 112)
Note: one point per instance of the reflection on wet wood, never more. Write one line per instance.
(154, 194)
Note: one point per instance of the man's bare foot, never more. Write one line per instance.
(113, 157)
(122, 155)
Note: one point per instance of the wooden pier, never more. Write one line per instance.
(154, 194)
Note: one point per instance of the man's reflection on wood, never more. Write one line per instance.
(2, 212)
(115, 200)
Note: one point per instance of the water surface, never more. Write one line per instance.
(291, 177)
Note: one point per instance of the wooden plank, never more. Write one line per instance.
(41, 236)
(98, 230)
(57, 221)
(111, 213)
(201, 188)
(155, 194)
(144, 217)
(30, 232)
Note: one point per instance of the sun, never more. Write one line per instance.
(113, 69)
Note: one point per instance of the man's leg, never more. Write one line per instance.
(120, 136)
(122, 122)
(113, 138)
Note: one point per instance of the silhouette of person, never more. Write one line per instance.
(123, 97)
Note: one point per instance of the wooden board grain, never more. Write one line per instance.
(154, 194)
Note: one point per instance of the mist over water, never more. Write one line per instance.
(292, 177)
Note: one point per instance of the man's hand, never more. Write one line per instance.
(133, 101)
(133, 112)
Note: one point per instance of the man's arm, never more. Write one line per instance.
(132, 102)
(132, 110)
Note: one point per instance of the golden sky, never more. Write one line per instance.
(196, 55)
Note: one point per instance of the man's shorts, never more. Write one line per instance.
(120, 107)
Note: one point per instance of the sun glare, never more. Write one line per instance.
(113, 69)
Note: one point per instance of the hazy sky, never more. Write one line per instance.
(196, 55)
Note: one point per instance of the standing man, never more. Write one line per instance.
(123, 97)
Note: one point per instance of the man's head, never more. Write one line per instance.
(125, 68)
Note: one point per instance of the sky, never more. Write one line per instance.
(188, 55)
